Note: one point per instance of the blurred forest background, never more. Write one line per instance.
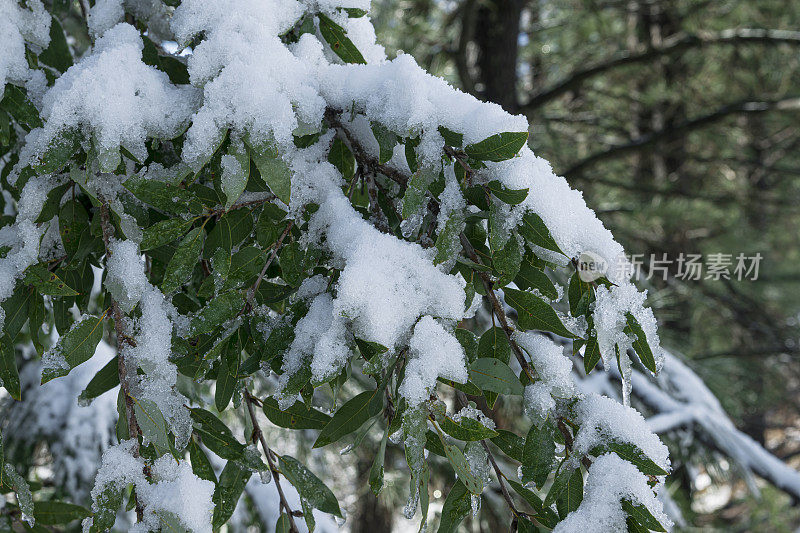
(680, 122)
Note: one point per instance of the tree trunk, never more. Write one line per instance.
(496, 34)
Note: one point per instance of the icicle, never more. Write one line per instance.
(340, 520)
(475, 502)
(410, 508)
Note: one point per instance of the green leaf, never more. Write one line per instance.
(308, 515)
(164, 232)
(47, 282)
(342, 158)
(560, 482)
(494, 375)
(451, 138)
(456, 507)
(505, 195)
(230, 230)
(268, 229)
(387, 140)
(217, 312)
(528, 495)
(283, 525)
(227, 374)
(494, 343)
(498, 147)
(201, 466)
(466, 429)
(640, 345)
(183, 261)
(36, 318)
(75, 231)
(51, 513)
(350, 416)
(467, 388)
(591, 354)
(526, 526)
(416, 193)
(9, 376)
(461, 467)
(535, 313)
(245, 265)
(369, 349)
(57, 54)
(292, 262)
(507, 261)
(235, 172)
(152, 424)
(309, 486)
(642, 515)
(448, 242)
(512, 444)
(537, 457)
(572, 496)
(52, 205)
(298, 416)
(216, 436)
(376, 471)
(530, 277)
(16, 103)
(633, 454)
(336, 37)
(12, 480)
(165, 197)
(106, 379)
(273, 169)
(59, 150)
(270, 293)
(16, 310)
(580, 295)
(75, 347)
(228, 491)
(535, 232)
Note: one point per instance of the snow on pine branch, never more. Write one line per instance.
(680, 399)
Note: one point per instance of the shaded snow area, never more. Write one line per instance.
(611, 480)
(173, 488)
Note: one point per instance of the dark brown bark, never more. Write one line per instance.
(496, 34)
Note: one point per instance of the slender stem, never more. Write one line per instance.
(497, 309)
(243, 204)
(462, 400)
(122, 338)
(252, 292)
(370, 163)
(258, 436)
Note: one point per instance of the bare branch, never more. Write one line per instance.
(258, 436)
(675, 45)
(743, 107)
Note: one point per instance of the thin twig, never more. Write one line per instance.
(369, 163)
(462, 400)
(258, 436)
(243, 204)
(497, 309)
(251, 293)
